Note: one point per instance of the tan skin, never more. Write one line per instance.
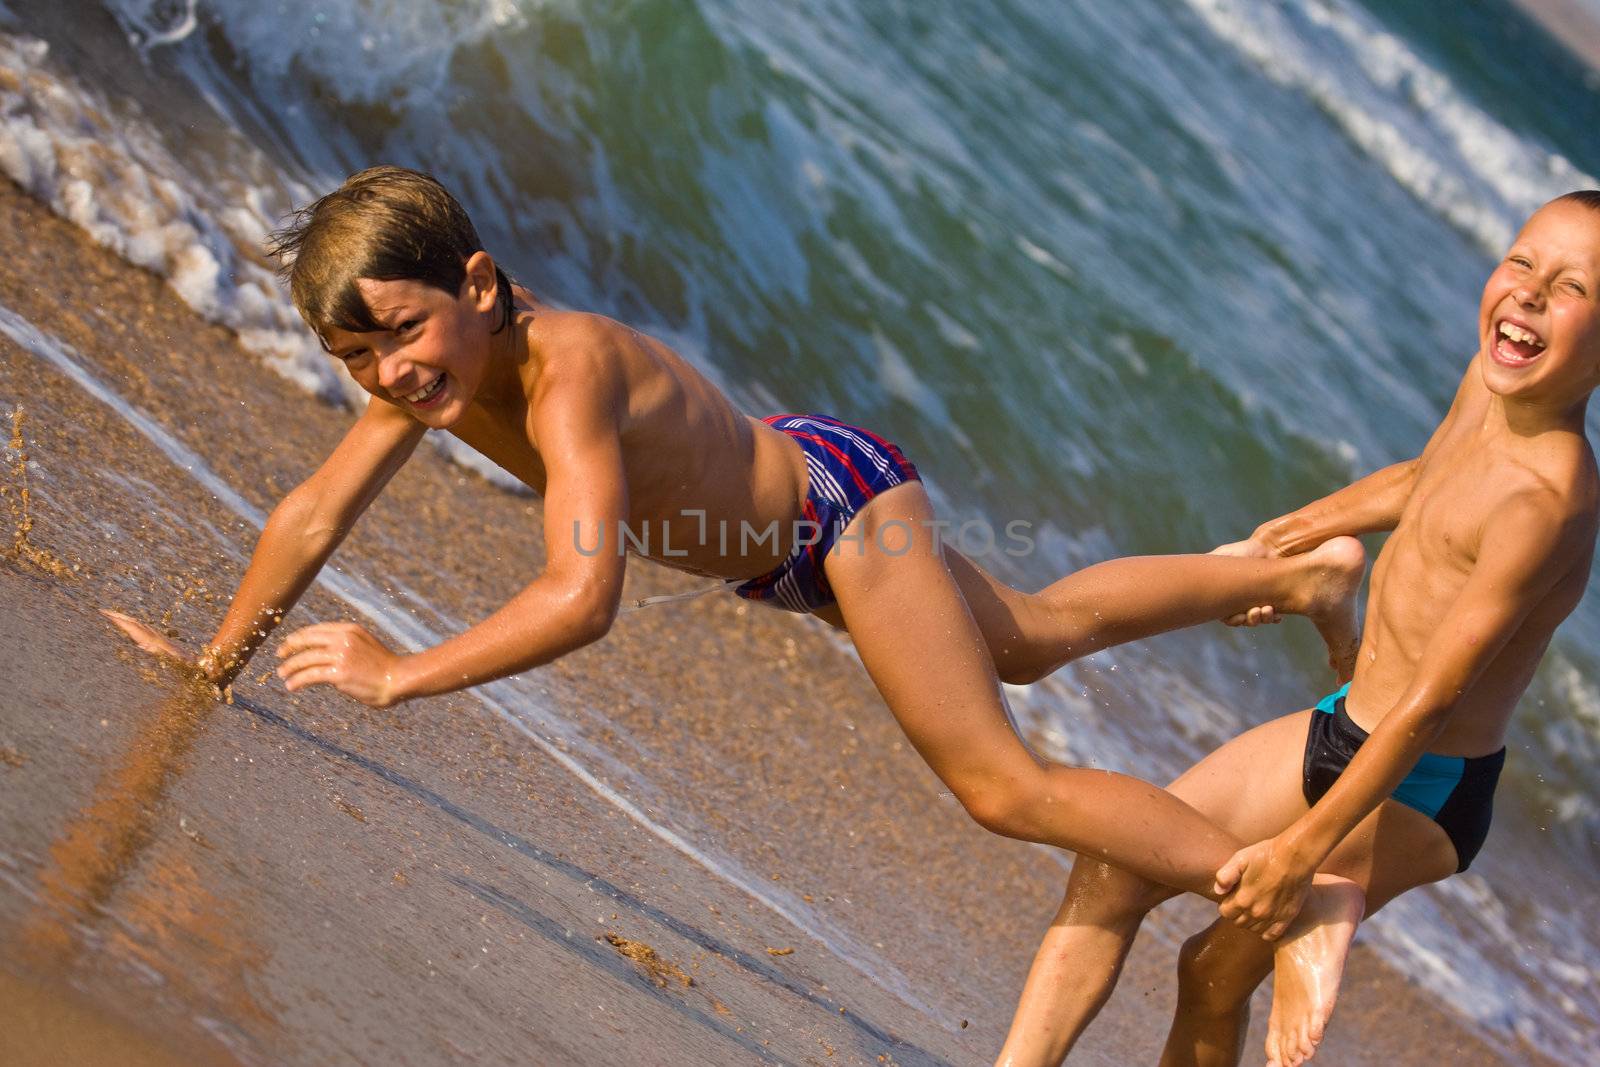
(608, 424)
(1494, 530)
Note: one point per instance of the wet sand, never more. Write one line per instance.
(757, 869)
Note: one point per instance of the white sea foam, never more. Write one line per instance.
(1481, 177)
(898, 379)
(111, 175)
(389, 52)
(1423, 933)
(1581, 702)
(1415, 932)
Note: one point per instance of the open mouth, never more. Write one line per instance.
(1515, 344)
(428, 394)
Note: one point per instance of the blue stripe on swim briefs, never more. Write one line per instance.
(1326, 703)
(1430, 782)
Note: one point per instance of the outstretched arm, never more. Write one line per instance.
(299, 536)
(1372, 504)
(575, 419)
(1529, 546)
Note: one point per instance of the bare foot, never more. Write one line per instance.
(1338, 565)
(1261, 614)
(1308, 964)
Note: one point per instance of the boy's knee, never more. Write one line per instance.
(1074, 626)
(1205, 981)
(1110, 896)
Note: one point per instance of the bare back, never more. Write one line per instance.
(699, 472)
(1469, 471)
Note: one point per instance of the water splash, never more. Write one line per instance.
(153, 23)
(19, 501)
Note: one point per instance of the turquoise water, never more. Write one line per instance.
(1141, 274)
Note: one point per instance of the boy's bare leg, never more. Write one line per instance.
(1082, 953)
(1104, 906)
(1032, 634)
(1215, 981)
(1395, 850)
(928, 657)
(1078, 962)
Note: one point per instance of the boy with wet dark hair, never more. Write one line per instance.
(615, 431)
(1389, 780)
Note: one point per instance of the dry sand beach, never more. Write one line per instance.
(717, 849)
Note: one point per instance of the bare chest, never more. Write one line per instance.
(661, 479)
(1447, 512)
(507, 445)
(1432, 552)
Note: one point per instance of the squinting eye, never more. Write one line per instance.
(406, 326)
(1519, 261)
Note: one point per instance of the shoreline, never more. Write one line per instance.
(298, 879)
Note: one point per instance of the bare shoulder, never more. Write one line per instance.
(1555, 513)
(578, 333)
(1570, 474)
(578, 369)
(577, 349)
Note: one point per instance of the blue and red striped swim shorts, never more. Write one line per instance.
(846, 466)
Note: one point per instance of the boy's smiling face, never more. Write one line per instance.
(1539, 321)
(432, 355)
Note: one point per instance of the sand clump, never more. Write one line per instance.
(654, 967)
(349, 809)
(193, 589)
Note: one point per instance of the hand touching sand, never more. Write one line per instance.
(147, 637)
(339, 654)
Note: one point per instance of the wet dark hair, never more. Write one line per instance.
(1589, 198)
(385, 223)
